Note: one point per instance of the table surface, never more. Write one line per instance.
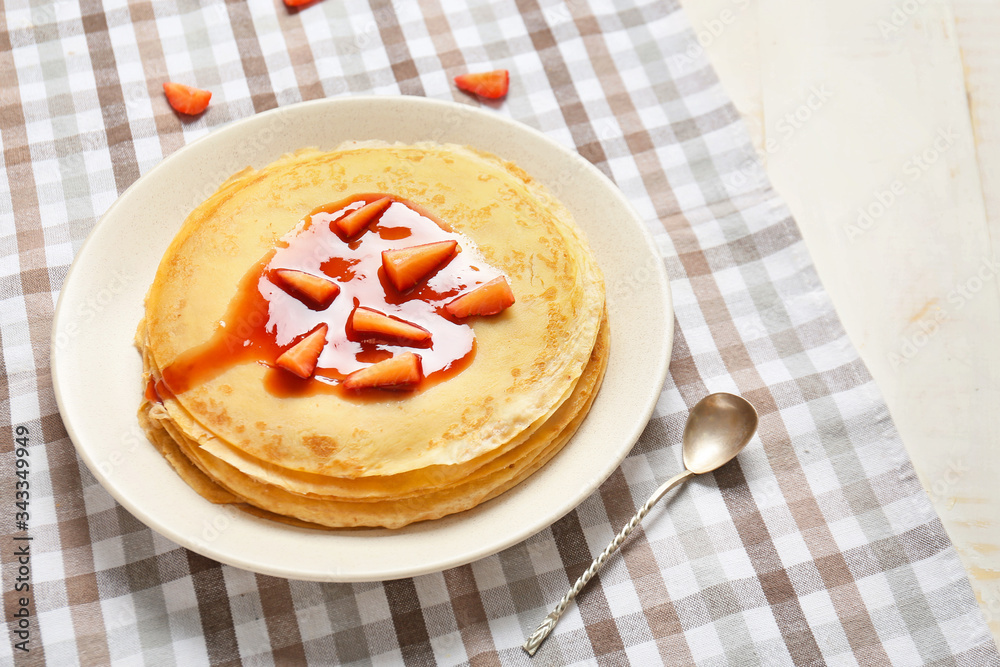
(879, 124)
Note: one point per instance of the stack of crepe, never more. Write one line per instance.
(332, 460)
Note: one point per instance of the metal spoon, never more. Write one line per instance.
(718, 428)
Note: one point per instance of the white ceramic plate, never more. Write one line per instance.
(96, 369)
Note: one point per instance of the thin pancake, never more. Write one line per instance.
(372, 487)
(527, 359)
(277, 502)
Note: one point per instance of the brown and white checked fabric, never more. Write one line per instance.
(817, 547)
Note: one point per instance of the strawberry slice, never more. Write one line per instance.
(492, 85)
(301, 358)
(402, 371)
(367, 320)
(359, 219)
(298, 3)
(314, 291)
(487, 299)
(185, 99)
(408, 266)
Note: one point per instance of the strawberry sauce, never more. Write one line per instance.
(265, 318)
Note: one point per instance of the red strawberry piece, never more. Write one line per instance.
(487, 299)
(367, 320)
(492, 85)
(402, 371)
(408, 266)
(301, 358)
(298, 3)
(359, 219)
(185, 99)
(313, 290)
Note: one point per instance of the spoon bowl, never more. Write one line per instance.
(718, 428)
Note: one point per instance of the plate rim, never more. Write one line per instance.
(630, 435)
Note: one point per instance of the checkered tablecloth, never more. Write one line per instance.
(817, 546)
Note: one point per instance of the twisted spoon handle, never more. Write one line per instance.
(546, 626)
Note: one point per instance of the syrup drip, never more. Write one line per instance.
(150, 393)
(263, 320)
